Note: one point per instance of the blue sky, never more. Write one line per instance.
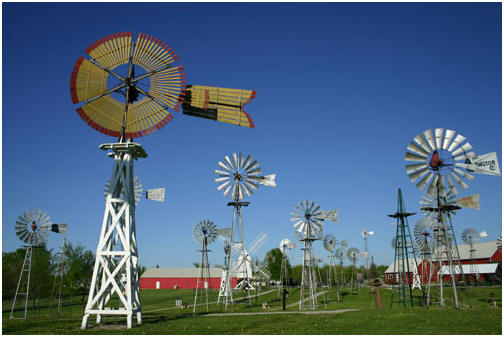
(341, 90)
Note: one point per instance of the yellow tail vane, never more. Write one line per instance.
(152, 85)
(219, 104)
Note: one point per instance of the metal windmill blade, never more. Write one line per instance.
(137, 188)
(329, 242)
(306, 220)
(499, 242)
(205, 229)
(423, 230)
(285, 245)
(470, 236)
(31, 227)
(340, 254)
(241, 176)
(438, 157)
(353, 254)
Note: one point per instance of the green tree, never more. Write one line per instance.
(79, 268)
(273, 261)
(295, 274)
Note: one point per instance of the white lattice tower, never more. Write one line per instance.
(203, 281)
(24, 281)
(115, 273)
(309, 277)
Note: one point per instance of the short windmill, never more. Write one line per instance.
(60, 272)
(441, 156)
(471, 236)
(308, 221)
(125, 89)
(204, 233)
(285, 246)
(238, 176)
(340, 254)
(353, 257)
(32, 227)
(423, 232)
(330, 243)
(247, 266)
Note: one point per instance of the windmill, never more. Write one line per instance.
(340, 254)
(365, 234)
(60, 272)
(423, 232)
(441, 156)
(239, 175)
(404, 254)
(471, 236)
(330, 243)
(247, 266)
(125, 89)
(204, 233)
(308, 218)
(32, 227)
(285, 245)
(499, 242)
(353, 257)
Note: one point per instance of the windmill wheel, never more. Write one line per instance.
(442, 156)
(241, 176)
(353, 254)
(470, 236)
(126, 87)
(137, 188)
(340, 254)
(32, 227)
(307, 220)
(329, 242)
(205, 229)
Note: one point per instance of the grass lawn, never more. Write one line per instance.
(161, 317)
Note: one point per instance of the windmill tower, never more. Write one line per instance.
(204, 233)
(239, 176)
(441, 156)
(404, 258)
(125, 89)
(422, 233)
(471, 236)
(365, 234)
(308, 218)
(32, 227)
(60, 272)
(341, 254)
(285, 245)
(329, 245)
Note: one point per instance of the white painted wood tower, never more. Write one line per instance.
(115, 274)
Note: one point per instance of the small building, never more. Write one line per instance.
(179, 278)
(485, 264)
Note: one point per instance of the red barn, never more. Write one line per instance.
(182, 278)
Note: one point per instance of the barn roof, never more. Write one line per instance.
(178, 272)
(483, 250)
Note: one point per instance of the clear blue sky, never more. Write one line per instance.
(341, 90)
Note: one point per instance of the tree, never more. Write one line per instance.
(273, 261)
(78, 268)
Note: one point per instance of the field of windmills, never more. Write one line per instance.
(356, 189)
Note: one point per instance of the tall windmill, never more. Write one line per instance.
(441, 156)
(471, 236)
(340, 254)
(330, 243)
(239, 175)
(126, 88)
(365, 234)
(308, 219)
(353, 257)
(285, 245)
(204, 233)
(32, 227)
(404, 257)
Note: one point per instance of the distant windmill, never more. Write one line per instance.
(340, 255)
(60, 272)
(285, 245)
(330, 243)
(365, 234)
(471, 236)
(353, 256)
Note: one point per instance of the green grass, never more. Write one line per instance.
(160, 317)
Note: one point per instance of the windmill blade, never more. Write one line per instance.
(222, 173)
(456, 142)
(471, 201)
(464, 148)
(254, 172)
(228, 162)
(463, 174)
(422, 183)
(156, 194)
(421, 140)
(453, 189)
(439, 136)
(22, 234)
(442, 186)
(235, 160)
(417, 175)
(247, 190)
(240, 191)
(459, 181)
(448, 138)
(251, 185)
(432, 186)
(258, 242)
(218, 180)
(411, 168)
(252, 166)
(226, 191)
(430, 138)
(240, 160)
(247, 163)
(465, 156)
(413, 147)
(408, 156)
(224, 166)
(499, 242)
(223, 185)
